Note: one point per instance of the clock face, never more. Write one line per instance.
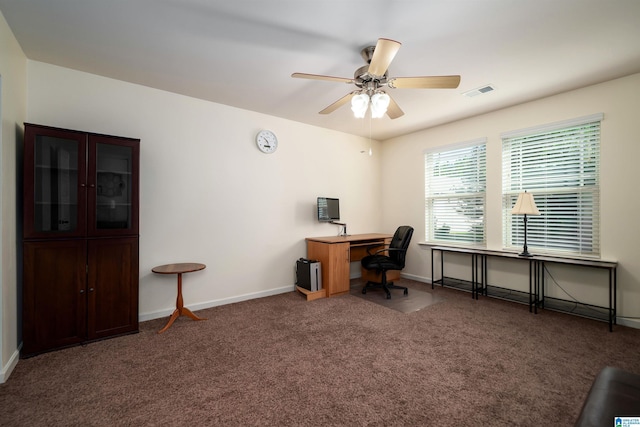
(267, 141)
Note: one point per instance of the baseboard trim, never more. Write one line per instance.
(142, 317)
(631, 323)
(9, 367)
(416, 278)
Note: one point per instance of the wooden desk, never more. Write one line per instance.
(179, 269)
(335, 254)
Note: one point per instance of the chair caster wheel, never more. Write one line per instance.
(388, 296)
(406, 292)
(364, 291)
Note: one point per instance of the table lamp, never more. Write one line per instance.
(525, 205)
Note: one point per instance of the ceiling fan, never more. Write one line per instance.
(371, 78)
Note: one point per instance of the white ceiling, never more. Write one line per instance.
(242, 53)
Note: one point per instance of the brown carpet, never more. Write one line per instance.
(341, 361)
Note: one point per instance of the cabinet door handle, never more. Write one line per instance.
(90, 289)
(82, 291)
(82, 184)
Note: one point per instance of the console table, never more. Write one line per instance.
(535, 297)
(335, 254)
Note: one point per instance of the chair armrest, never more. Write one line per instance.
(377, 251)
(387, 249)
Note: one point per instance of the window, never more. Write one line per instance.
(455, 182)
(560, 165)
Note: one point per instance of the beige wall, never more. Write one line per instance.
(207, 194)
(619, 100)
(13, 112)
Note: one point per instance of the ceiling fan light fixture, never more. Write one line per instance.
(379, 104)
(359, 104)
(370, 78)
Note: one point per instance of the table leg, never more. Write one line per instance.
(174, 316)
(180, 310)
(433, 279)
(474, 276)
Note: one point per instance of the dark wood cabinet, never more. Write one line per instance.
(54, 295)
(80, 237)
(112, 287)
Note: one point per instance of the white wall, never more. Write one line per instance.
(13, 65)
(619, 100)
(207, 194)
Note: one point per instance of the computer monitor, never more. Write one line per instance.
(328, 209)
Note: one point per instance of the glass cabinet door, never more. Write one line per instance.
(54, 191)
(114, 175)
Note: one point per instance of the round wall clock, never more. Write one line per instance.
(267, 141)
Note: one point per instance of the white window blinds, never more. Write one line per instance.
(455, 182)
(560, 165)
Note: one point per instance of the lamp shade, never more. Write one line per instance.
(359, 104)
(379, 103)
(525, 205)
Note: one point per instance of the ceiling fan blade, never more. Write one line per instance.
(427, 82)
(339, 103)
(383, 54)
(393, 111)
(321, 77)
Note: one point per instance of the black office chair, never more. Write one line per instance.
(397, 253)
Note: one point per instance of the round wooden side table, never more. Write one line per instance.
(179, 269)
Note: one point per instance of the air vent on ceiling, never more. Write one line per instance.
(479, 91)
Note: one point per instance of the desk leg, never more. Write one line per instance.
(485, 277)
(541, 284)
(442, 268)
(612, 299)
(474, 276)
(534, 284)
(433, 268)
(615, 296)
(433, 279)
(478, 275)
(481, 275)
(180, 310)
(538, 285)
(530, 285)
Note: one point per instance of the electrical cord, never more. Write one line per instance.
(575, 300)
